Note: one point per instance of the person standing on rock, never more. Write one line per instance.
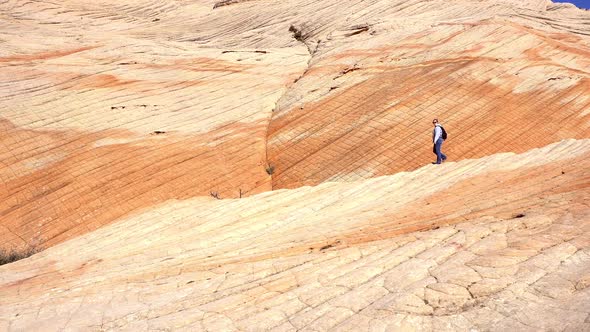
(438, 137)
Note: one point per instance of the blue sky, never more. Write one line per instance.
(579, 3)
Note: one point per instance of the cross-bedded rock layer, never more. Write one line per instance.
(499, 243)
(107, 109)
(110, 108)
(499, 78)
(119, 116)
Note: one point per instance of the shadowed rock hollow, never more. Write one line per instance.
(120, 121)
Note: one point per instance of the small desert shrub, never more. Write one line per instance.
(297, 34)
(13, 255)
(270, 169)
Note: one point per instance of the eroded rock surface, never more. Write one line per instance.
(501, 77)
(131, 130)
(500, 243)
(108, 108)
(111, 108)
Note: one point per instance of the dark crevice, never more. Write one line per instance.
(256, 51)
(358, 29)
(299, 36)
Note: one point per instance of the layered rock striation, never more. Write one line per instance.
(108, 109)
(499, 77)
(265, 165)
(111, 108)
(498, 243)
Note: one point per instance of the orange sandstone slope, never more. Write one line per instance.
(500, 243)
(109, 109)
(499, 77)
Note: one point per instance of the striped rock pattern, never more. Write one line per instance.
(120, 119)
(108, 108)
(500, 78)
(500, 243)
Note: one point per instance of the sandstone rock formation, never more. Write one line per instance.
(107, 109)
(500, 243)
(111, 108)
(120, 121)
(498, 79)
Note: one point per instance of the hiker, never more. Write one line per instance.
(438, 137)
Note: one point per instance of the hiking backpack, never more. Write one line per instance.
(444, 133)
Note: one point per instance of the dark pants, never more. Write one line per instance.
(436, 149)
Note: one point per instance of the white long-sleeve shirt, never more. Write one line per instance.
(437, 133)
